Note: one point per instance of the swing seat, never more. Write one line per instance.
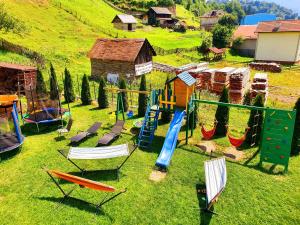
(208, 134)
(237, 142)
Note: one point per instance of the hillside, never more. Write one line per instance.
(64, 30)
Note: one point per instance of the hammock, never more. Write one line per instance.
(208, 134)
(237, 142)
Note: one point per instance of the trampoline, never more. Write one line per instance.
(10, 133)
(46, 116)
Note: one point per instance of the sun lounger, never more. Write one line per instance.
(113, 134)
(107, 152)
(84, 183)
(84, 134)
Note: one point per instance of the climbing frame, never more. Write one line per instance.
(277, 137)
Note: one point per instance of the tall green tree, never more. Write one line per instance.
(68, 87)
(86, 98)
(221, 36)
(228, 20)
(41, 89)
(222, 114)
(166, 116)
(142, 98)
(296, 135)
(206, 44)
(256, 117)
(54, 91)
(102, 95)
(122, 85)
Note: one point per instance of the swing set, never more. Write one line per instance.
(276, 136)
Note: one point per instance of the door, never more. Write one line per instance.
(130, 27)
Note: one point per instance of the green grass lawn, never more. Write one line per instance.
(252, 195)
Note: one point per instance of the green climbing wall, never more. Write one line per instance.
(277, 136)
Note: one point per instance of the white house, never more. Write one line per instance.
(278, 41)
(210, 19)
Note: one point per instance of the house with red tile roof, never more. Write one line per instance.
(120, 57)
(247, 33)
(278, 41)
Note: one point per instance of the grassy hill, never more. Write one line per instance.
(64, 30)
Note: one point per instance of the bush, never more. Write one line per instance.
(9, 23)
(259, 102)
(54, 92)
(68, 87)
(102, 96)
(85, 91)
(228, 20)
(122, 85)
(41, 89)
(222, 115)
(236, 43)
(221, 36)
(196, 119)
(296, 136)
(247, 98)
(206, 44)
(142, 98)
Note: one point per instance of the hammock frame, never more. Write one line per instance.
(66, 194)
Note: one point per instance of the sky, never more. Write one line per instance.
(291, 4)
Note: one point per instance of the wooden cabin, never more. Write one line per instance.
(184, 86)
(124, 22)
(15, 78)
(158, 16)
(114, 58)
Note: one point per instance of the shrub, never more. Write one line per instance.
(122, 85)
(222, 114)
(259, 102)
(102, 96)
(236, 43)
(85, 91)
(228, 20)
(206, 44)
(196, 119)
(68, 87)
(9, 23)
(296, 136)
(41, 89)
(247, 98)
(54, 92)
(142, 98)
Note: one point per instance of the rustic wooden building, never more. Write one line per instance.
(128, 58)
(124, 22)
(15, 78)
(210, 19)
(159, 16)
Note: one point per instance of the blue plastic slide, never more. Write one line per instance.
(168, 148)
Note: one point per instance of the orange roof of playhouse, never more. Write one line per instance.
(118, 49)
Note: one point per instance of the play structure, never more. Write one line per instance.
(276, 136)
(10, 133)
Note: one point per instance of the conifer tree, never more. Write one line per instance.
(122, 85)
(41, 89)
(222, 114)
(256, 117)
(142, 98)
(102, 96)
(166, 116)
(68, 87)
(296, 136)
(85, 91)
(54, 92)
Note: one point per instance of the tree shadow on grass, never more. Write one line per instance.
(205, 217)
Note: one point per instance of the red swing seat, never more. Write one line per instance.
(208, 134)
(237, 142)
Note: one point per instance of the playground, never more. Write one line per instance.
(258, 184)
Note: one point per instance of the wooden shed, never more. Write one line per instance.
(184, 86)
(126, 57)
(16, 78)
(159, 15)
(124, 22)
